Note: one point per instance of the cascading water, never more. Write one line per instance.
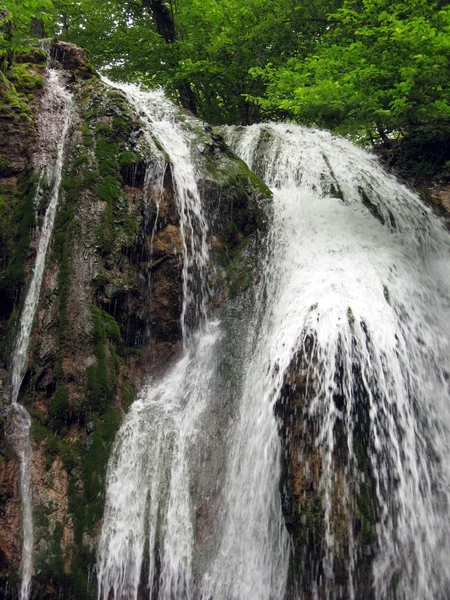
(147, 501)
(53, 125)
(356, 268)
(360, 266)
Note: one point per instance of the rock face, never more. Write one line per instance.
(439, 195)
(303, 494)
(100, 328)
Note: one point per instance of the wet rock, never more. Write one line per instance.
(72, 58)
(439, 195)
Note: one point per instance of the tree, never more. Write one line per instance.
(22, 16)
(199, 50)
(381, 68)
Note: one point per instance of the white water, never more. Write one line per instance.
(161, 121)
(372, 297)
(53, 125)
(358, 265)
(147, 502)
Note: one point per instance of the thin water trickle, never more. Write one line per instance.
(53, 125)
(147, 501)
(161, 121)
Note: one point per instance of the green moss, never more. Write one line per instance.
(123, 125)
(109, 191)
(81, 159)
(161, 149)
(24, 78)
(104, 129)
(87, 135)
(50, 565)
(35, 56)
(106, 153)
(15, 235)
(238, 272)
(90, 178)
(40, 517)
(12, 103)
(66, 230)
(86, 502)
(72, 186)
(129, 159)
(108, 188)
(7, 336)
(263, 190)
(51, 449)
(59, 408)
(63, 245)
(102, 376)
(128, 396)
(373, 209)
(111, 328)
(38, 432)
(130, 228)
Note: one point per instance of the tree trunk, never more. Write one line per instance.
(37, 28)
(163, 19)
(384, 138)
(165, 25)
(187, 98)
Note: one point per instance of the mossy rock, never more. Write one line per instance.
(12, 104)
(129, 159)
(35, 56)
(25, 78)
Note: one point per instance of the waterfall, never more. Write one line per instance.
(53, 125)
(147, 501)
(355, 291)
(360, 266)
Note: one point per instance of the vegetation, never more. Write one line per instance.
(376, 70)
(382, 68)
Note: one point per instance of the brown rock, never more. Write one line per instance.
(440, 197)
(167, 242)
(71, 57)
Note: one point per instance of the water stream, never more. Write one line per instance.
(355, 266)
(53, 125)
(147, 499)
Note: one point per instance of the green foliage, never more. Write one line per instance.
(372, 69)
(381, 68)
(16, 27)
(204, 61)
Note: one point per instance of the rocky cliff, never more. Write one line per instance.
(110, 302)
